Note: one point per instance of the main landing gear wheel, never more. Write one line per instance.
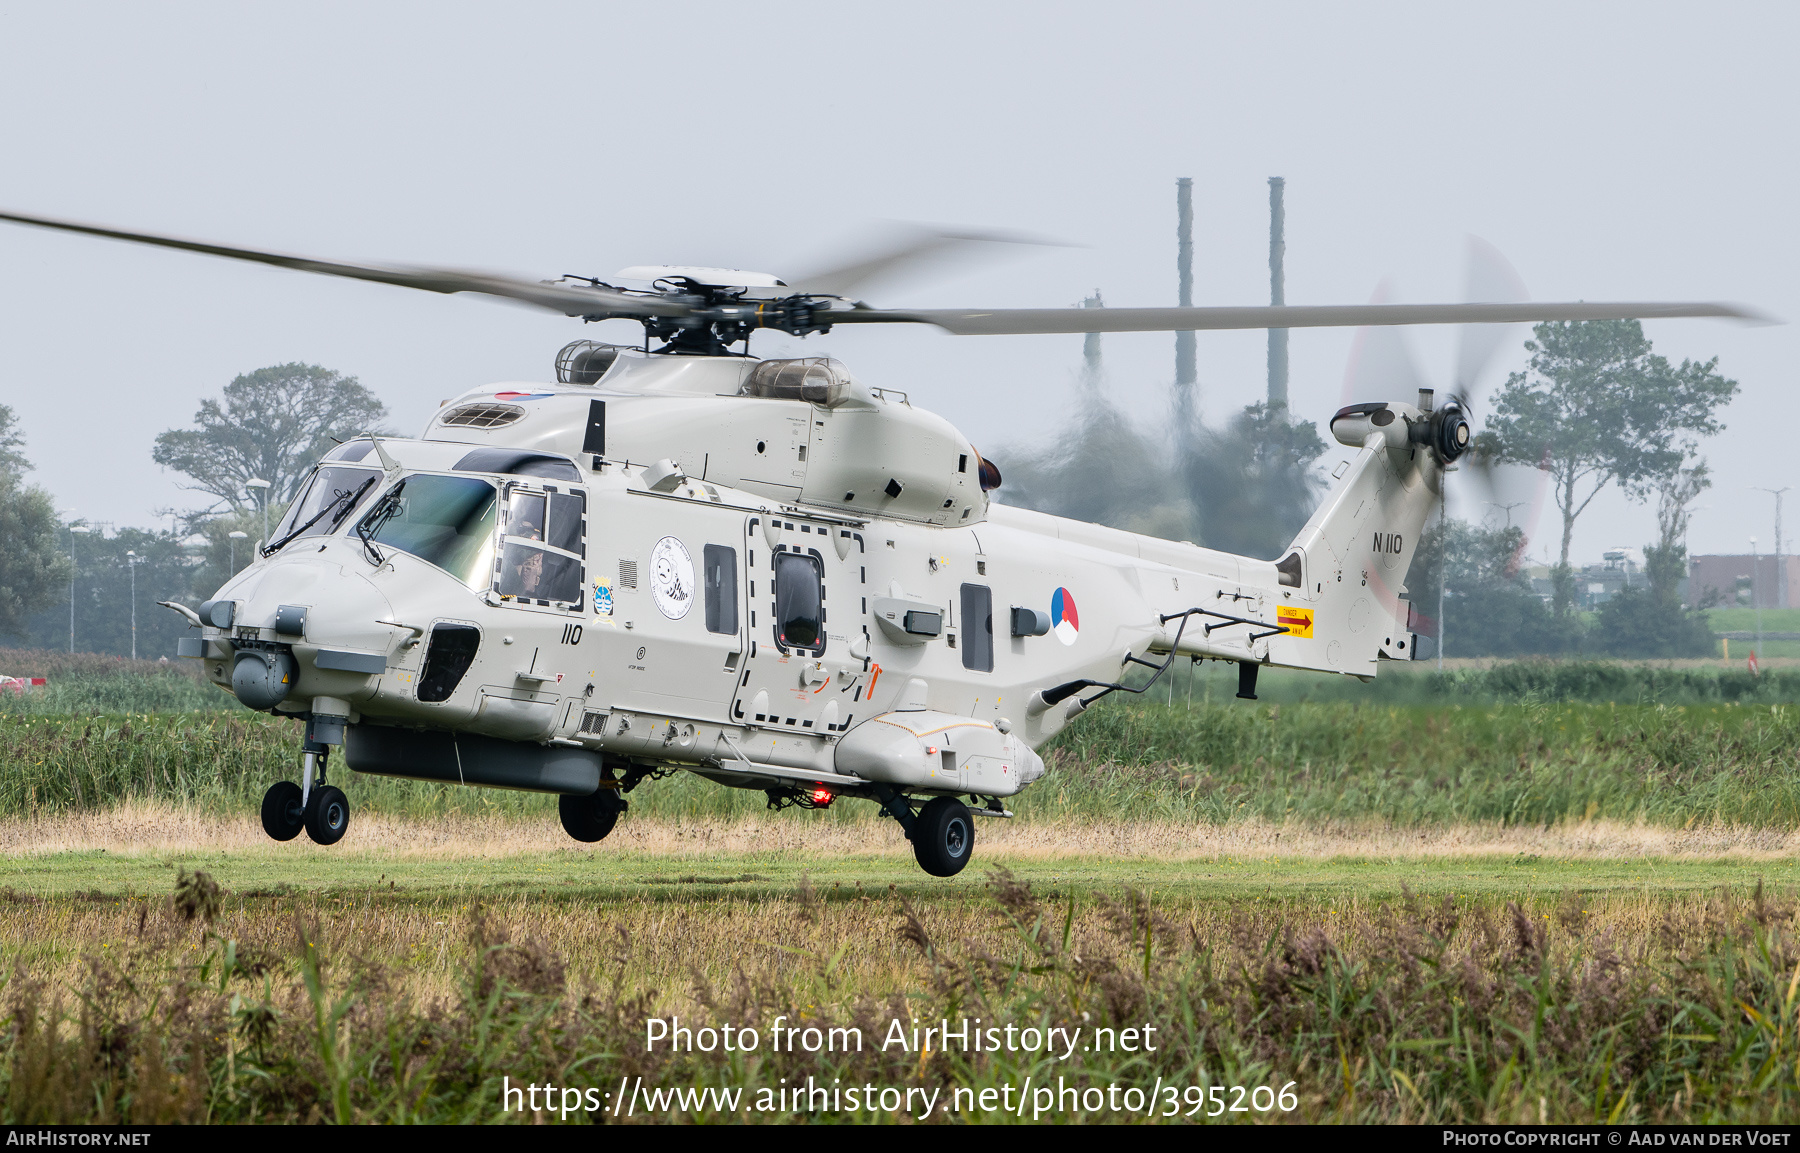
(282, 816)
(944, 837)
(589, 819)
(328, 815)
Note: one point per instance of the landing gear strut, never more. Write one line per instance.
(320, 809)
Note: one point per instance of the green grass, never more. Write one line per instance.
(401, 979)
(86, 683)
(1310, 761)
(374, 1005)
(1731, 620)
(580, 878)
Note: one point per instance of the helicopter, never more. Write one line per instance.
(766, 572)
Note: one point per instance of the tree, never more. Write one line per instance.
(33, 569)
(104, 575)
(1653, 622)
(1665, 561)
(1489, 608)
(273, 424)
(1252, 483)
(12, 441)
(1596, 406)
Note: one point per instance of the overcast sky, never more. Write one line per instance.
(1618, 151)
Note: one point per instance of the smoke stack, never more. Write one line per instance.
(1278, 337)
(1090, 347)
(1184, 279)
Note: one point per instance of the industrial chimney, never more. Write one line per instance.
(1278, 337)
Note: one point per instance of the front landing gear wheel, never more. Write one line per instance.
(589, 819)
(282, 816)
(944, 837)
(328, 815)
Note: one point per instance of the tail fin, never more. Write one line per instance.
(1344, 596)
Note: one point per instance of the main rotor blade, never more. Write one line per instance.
(1021, 321)
(904, 251)
(568, 299)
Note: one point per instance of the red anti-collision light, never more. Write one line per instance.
(822, 796)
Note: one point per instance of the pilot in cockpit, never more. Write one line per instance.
(528, 570)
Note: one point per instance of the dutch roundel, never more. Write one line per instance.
(1063, 620)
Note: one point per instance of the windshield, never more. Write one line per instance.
(331, 482)
(446, 520)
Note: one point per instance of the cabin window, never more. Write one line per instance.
(721, 589)
(799, 602)
(978, 628)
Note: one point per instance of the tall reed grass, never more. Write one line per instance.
(1315, 762)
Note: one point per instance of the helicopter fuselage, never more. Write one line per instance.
(766, 574)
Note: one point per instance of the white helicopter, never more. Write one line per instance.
(765, 572)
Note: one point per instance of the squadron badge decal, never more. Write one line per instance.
(672, 578)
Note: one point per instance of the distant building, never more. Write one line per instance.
(1734, 580)
(1596, 583)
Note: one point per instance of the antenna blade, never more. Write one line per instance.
(1022, 321)
(568, 299)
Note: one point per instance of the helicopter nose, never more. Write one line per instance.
(314, 621)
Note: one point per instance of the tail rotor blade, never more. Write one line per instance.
(1382, 365)
(1490, 279)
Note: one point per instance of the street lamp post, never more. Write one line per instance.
(73, 529)
(132, 560)
(235, 537)
(1781, 589)
(1756, 594)
(262, 493)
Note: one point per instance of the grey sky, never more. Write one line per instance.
(1625, 151)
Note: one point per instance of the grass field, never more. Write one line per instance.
(1476, 973)
(1490, 898)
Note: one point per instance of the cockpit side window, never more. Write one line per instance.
(542, 546)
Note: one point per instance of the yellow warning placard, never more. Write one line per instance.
(1297, 621)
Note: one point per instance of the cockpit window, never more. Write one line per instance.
(330, 483)
(543, 546)
(447, 521)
